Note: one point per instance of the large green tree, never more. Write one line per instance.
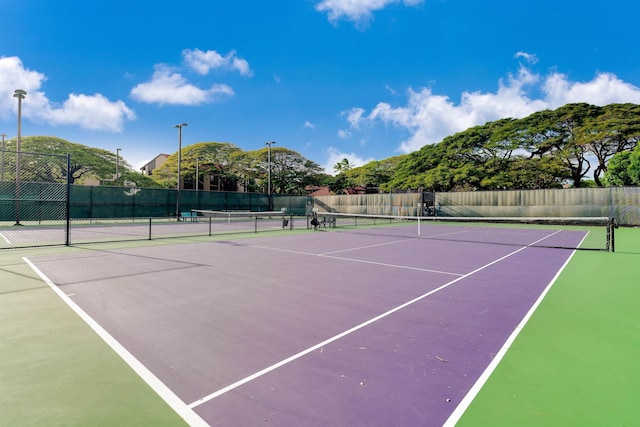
(544, 150)
(615, 130)
(215, 158)
(291, 172)
(624, 168)
(86, 163)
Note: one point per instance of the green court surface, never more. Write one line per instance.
(54, 370)
(575, 363)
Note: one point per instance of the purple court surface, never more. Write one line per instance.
(314, 329)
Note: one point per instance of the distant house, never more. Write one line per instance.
(316, 190)
(355, 190)
(155, 163)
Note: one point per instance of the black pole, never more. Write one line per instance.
(68, 203)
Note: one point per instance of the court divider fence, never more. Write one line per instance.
(133, 202)
(34, 195)
(52, 212)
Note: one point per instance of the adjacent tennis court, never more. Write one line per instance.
(312, 328)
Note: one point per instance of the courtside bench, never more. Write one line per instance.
(188, 216)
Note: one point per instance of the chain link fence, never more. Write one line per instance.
(38, 206)
(34, 194)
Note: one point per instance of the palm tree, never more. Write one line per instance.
(343, 166)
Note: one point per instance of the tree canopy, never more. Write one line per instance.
(546, 149)
(290, 171)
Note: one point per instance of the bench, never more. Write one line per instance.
(191, 216)
(328, 221)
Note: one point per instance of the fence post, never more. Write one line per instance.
(67, 208)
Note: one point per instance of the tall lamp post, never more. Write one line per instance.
(4, 135)
(20, 94)
(179, 166)
(117, 163)
(197, 172)
(269, 144)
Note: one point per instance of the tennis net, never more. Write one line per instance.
(242, 221)
(590, 233)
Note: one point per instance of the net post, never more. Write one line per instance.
(419, 227)
(210, 218)
(149, 228)
(612, 234)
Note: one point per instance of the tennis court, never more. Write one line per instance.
(310, 328)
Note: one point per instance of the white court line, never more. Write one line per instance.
(475, 389)
(154, 382)
(5, 239)
(296, 356)
(369, 246)
(325, 255)
(404, 267)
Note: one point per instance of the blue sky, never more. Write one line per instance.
(331, 79)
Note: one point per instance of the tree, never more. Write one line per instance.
(617, 173)
(557, 134)
(343, 166)
(290, 171)
(214, 158)
(624, 168)
(615, 130)
(373, 174)
(634, 166)
(86, 162)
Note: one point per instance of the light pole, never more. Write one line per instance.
(269, 144)
(20, 94)
(4, 135)
(179, 166)
(269, 165)
(117, 163)
(197, 172)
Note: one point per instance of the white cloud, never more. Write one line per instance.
(203, 62)
(391, 90)
(343, 133)
(354, 117)
(529, 57)
(94, 112)
(334, 156)
(169, 87)
(429, 117)
(605, 88)
(309, 125)
(358, 11)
